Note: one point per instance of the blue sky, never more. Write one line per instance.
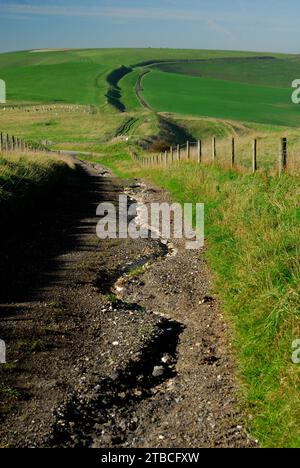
(262, 25)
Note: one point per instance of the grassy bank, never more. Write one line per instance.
(252, 230)
(20, 173)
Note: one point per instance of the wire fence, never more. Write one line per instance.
(246, 154)
(12, 143)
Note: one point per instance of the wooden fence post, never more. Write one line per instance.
(166, 158)
(172, 153)
(178, 152)
(199, 151)
(214, 149)
(188, 152)
(233, 153)
(1, 142)
(254, 156)
(283, 155)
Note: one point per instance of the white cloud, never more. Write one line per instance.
(214, 26)
(226, 22)
(130, 13)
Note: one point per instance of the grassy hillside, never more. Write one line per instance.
(59, 125)
(128, 87)
(79, 76)
(210, 97)
(58, 83)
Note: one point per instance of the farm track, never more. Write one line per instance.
(146, 364)
(139, 89)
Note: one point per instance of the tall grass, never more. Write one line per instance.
(19, 172)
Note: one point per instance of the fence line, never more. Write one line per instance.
(11, 143)
(195, 151)
(83, 109)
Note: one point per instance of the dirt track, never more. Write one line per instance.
(93, 364)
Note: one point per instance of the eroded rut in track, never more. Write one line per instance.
(136, 351)
(108, 414)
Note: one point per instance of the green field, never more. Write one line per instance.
(79, 76)
(58, 83)
(182, 94)
(233, 87)
(251, 90)
(225, 85)
(276, 72)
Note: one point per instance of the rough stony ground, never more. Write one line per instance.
(102, 353)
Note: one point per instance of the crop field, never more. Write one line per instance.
(276, 72)
(211, 97)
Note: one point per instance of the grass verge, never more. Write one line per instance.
(21, 172)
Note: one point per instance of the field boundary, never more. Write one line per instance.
(193, 151)
(151, 63)
(139, 88)
(10, 143)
